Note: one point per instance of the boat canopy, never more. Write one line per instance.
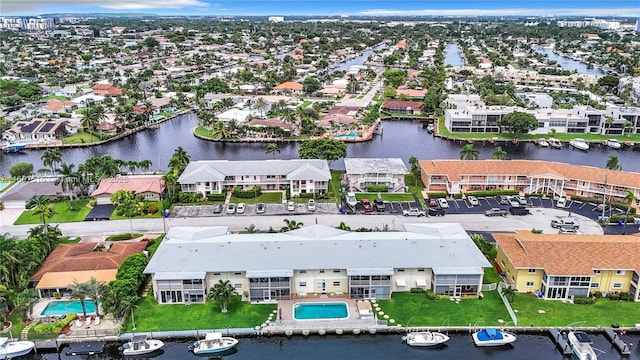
(213, 336)
(491, 332)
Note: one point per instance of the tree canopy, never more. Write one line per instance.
(327, 149)
(311, 85)
(519, 122)
(21, 169)
(395, 77)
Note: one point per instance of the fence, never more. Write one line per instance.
(507, 304)
(489, 287)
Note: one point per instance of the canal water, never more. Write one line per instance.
(570, 64)
(401, 139)
(374, 347)
(452, 55)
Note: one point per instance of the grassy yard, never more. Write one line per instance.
(157, 214)
(386, 196)
(63, 214)
(424, 312)
(557, 313)
(265, 197)
(415, 187)
(149, 316)
(491, 276)
(80, 137)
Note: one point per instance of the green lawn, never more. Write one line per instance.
(80, 137)
(386, 196)
(265, 197)
(63, 214)
(55, 97)
(415, 187)
(149, 316)
(557, 313)
(490, 276)
(421, 311)
(157, 214)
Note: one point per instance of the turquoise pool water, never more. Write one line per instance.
(67, 307)
(3, 185)
(349, 135)
(320, 311)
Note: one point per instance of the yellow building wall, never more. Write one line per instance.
(607, 278)
(518, 278)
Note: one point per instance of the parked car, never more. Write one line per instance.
(568, 231)
(513, 202)
(565, 223)
(413, 212)
(366, 205)
(519, 211)
(436, 211)
(496, 212)
(602, 207)
(562, 202)
(260, 208)
(473, 201)
(291, 206)
(522, 200)
(311, 205)
(433, 202)
(378, 204)
(231, 209)
(217, 208)
(442, 202)
(502, 199)
(240, 208)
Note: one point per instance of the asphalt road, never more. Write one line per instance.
(540, 219)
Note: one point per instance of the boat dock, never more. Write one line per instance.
(86, 348)
(560, 341)
(614, 338)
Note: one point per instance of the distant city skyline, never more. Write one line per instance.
(623, 8)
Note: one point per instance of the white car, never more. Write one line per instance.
(514, 202)
(443, 203)
(231, 208)
(311, 205)
(351, 199)
(562, 202)
(291, 206)
(240, 208)
(413, 212)
(473, 201)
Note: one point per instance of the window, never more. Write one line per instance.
(502, 262)
(321, 271)
(617, 286)
(216, 274)
(619, 272)
(336, 270)
(596, 271)
(421, 270)
(529, 283)
(595, 285)
(237, 273)
(336, 283)
(303, 271)
(513, 278)
(400, 270)
(532, 271)
(302, 284)
(237, 286)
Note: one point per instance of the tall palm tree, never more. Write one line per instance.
(613, 163)
(179, 160)
(509, 292)
(68, 178)
(44, 209)
(499, 154)
(272, 149)
(148, 111)
(261, 104)
(79, 291)
(221, 293)
(88, 122)
(94, 290)
(145, 165)
(51, 157)
(220, 131)
(628, 198)
(469, 153)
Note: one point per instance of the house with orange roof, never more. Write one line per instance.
(151, 187)
(529, 177)
(80, 262)
(403, 107)
(289, 86)
(106, 89)
(560, 267)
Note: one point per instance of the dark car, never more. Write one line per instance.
(519, 211)
(260, 208)
(217, 208)
(502, 200)
(433, 202)
(366, 205)
(378, 204)
(436, 211)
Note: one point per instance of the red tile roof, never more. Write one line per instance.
(139, 184)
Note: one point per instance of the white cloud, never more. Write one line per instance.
(34, 6)
(502, 12)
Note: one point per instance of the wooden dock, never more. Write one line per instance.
(614, 338)
(86, 348)
(560, 341)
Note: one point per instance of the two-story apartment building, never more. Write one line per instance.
(529, 177)
(363, 172)
(316, 260)
(557, 266)
(299, 176)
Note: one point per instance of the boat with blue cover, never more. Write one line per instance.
(493, 337)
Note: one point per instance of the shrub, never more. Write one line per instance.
(152, 209)
(120, 237)
(615, 218)
(613, 296)
(55, 327)
(583, 300)
(247, 194)
(492, 193)
(377, 188)
(596, 294)
(417, 290)
(217, 197)
(307, 195)
(184, 197)
(437, 194)
(625, 296)
(431, 295)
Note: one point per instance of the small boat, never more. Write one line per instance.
(213, 343)
(579, 144)
(140, 345)
(12, 148)
(425, 338)
(12, 349)
(555, 143)
(351, 199)
(543, 142)
(493, 337)
(581, 345)
(614, 144)
(430, 128)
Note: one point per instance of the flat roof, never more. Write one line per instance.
(375, 165)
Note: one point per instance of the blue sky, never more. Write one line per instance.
(328, 7)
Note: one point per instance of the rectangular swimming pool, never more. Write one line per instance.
(321, 311)
(67, 307)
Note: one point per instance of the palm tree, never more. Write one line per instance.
(221, 293)
(251, 229)
(628, 198)
(145, 165)
(272, 149)
(89, 123)
(179, 160)
(499, 154)
(261, 104)
(94, 290)
(469, 153)
(68, 178)
(613, 163)
(509, 293)
(51, 157)
(415, 169)
(220, 131)
(148, 111)
(44, 209)
(79, 291)
(291, 225)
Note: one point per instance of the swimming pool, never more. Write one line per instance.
(320, 311)
(349, 135)
(67, 307)
(3, 185)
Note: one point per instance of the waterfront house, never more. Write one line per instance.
(106, 89)
(557, 266)
(151, 187)
(316, 260)
(528, 177)
(36, 130)
(299, 176)
(19, 195)
(403, 107)
(290, 87)
(364, 172)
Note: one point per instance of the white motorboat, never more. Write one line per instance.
(555, 143)
(213, 343)
(614, 144)
(493, 337)
(543, 142)
(12, 349)
(140, 345)
(579, 144)
(581, 345)
(351, 199)
(425, 338)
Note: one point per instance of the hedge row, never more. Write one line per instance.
(218, 197)
(377, 188)
(247, 194)
(55, 327)
(492, 193)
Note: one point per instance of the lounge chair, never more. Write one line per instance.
(78, 323)
(96, 321)
(87, 321)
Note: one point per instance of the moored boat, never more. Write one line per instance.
(11, 148)
(614, 144)
(140, 345)
(543, 142)
(579, 144)
(425, 338)
(12, 349)
(581, 345)
(213, 343)
(555, 143)
(493, 337)
(351, 199)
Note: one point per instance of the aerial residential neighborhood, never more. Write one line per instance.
(222, 177)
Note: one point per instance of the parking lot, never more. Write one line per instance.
(390, 207)
(250, 210)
